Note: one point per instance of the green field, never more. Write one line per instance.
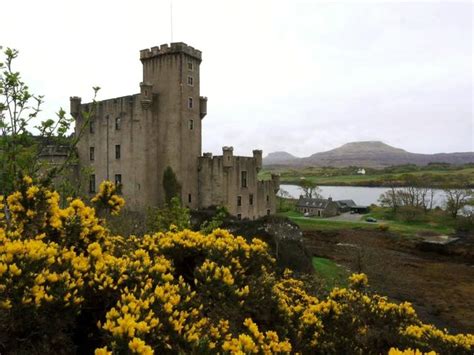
(333, 275)
(409, 229)
(435, 177)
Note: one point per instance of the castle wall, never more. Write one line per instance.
(220, 184)
(136, 136)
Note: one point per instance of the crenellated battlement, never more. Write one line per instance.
(176, 47)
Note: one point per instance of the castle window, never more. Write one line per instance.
(243, 179)
(239, 216)
(189, 198)
(190, 81)
(117, 151)
(118, 182)
(239, 200)
(118, 122)
(268, 212)
(268, 198)
(91, 127)
(190, 102)
(191, 124)
(92, 183)
(251, 199)
(190, 66)
(91, 153)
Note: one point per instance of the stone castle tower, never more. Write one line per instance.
(131, 140)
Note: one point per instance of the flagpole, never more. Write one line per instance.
(171, 20)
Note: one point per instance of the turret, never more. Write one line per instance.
(75, 105)
(257, 155)
(202, 106)
(228, 155)
(146, 94)
(171, 77)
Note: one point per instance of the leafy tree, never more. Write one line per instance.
(310, 189)
(20, 150)
(172, 216)
(216, 221)
(171, 185)
(284, 203)
(416, 194)
(457, 198)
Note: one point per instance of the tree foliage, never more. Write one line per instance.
(21, 151)
(173, 216)
(310, 189)
(171, 185)
(456, 199)
(415, 195)
(215, 222)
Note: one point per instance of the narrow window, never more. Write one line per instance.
(268, 198)
(190, 66)
(190, 81)
(239, 200)
(118, 182)
(91, 126)
(117, 151)
(239, 216)
(92, 183)
(243, 178)
(191, 124)
(189, 198)
(118, 122)
(91, 153)
(268, 212)
(190, 102)
(251, 199)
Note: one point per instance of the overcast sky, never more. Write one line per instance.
(299, 76)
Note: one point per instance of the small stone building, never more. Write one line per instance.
(345, 205)
(317, 207)
(131, 140)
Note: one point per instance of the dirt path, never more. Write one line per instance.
(440, 287)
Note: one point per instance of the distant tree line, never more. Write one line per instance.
(415, 196)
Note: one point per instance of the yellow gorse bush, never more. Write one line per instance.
(67, 284)
(108, 198)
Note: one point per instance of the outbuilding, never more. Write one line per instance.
(317, 207)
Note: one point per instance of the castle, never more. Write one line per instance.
(131, 140)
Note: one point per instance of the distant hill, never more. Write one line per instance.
(279, 158)
(371, 154)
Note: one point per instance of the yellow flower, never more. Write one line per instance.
(27, 180)
(14, 270)
(138, 346)
(102, 351)
(358, 280)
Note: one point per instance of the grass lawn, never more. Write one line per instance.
(332, 274)
(409, 229)
(313, 223)
(343, 177)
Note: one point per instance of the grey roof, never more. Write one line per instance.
(348, 203)
(312, 202)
